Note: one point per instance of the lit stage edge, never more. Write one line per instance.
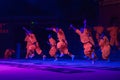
(60, 70)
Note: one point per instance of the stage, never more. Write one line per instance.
(22, 69)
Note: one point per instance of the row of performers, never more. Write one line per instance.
(85, 37)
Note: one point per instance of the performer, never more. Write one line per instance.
(113, 35)
(53, 48)
(87, 40)
(99, 30)
(105, 46)
(62, 44)
(119, 39)
(8, 53)
(32, 45)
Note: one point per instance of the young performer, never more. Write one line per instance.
(99, 30)
(105, 46)
(62, 44)
(53, 48)
(113, 30)
(86, 39)
(8, 53)
(32, 45)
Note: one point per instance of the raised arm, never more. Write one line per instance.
(75, 29)
(72, 27)
(27, 31)
(85, 23)
(53, 29)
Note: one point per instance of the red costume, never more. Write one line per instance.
(8, 53)
(113, 34)
(99, 30)
(105, 47)
(53, 49)
(32, 45)
(87, 41)
(62, 44)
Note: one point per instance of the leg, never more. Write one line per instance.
(112, 41)
(55, 58)
(43, 56)
(27, 55)
(31, 54)
(61, 54)
(71, 55)
(52, 52)
(93, 57)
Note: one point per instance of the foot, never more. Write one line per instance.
(85, 57)
(61, 55)
(44, 56)
(31, 56)
(55, 60)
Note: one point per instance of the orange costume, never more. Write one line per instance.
(62, 44)
(105, 47)
(32, 45)
(99, 30)
(8, 53)
(113, 34)
(53, 48)
(87, 41)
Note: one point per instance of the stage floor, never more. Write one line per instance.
(59, 70)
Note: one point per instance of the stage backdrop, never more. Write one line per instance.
(39, 14)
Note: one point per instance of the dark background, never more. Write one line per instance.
(36, 15)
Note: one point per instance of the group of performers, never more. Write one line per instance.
(61, 45)
(86, 39)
